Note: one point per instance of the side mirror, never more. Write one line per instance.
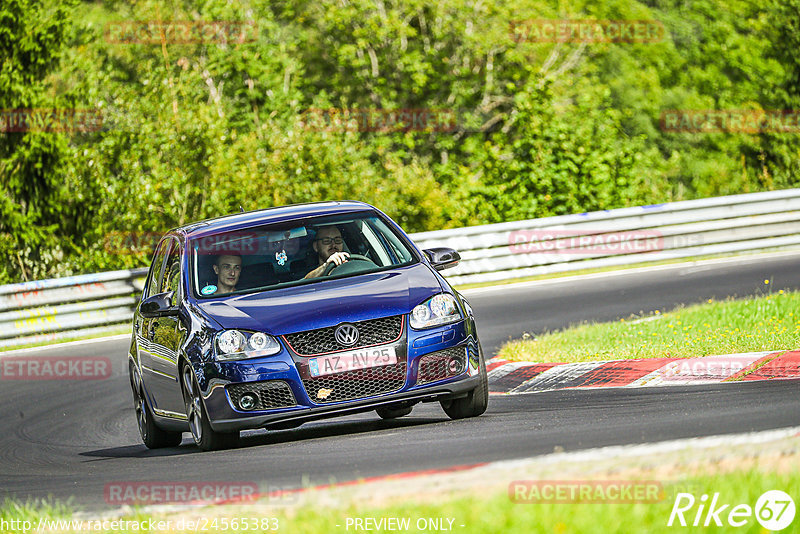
(158, 306)
(442, 257)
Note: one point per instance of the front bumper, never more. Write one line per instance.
(225, 417)
(302, 414)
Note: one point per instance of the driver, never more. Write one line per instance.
(228, 268)
(328, 246)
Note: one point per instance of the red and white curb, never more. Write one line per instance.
(527, 377)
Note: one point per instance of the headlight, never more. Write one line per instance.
(438, 310)
(230, 342)
(238, 345)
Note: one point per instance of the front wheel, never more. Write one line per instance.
(476, 401)
(152, 436)
(204, 436)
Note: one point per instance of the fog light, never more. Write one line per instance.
(455, 366)
(248, 401)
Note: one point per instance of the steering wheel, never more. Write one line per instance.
(359, 262)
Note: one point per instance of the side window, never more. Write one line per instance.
(376, 244)
(158, 267)
(398, 250)
(172, 274)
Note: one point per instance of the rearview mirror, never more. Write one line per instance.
(442, 257)
(158, 306)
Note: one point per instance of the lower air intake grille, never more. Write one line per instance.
(356, 384)
(270, 394)
(437, 365)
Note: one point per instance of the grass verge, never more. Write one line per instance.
(496, 512)
(481, 512)
(769, 322)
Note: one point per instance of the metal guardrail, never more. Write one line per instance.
(60, 308)
(64, 308)
(740, 223)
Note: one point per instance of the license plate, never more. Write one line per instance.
(352, 360)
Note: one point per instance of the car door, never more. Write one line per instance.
(160, 363)
(143, 326)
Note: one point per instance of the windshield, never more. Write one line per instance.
(294, 253)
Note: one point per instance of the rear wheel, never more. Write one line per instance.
(476, 401)
(152, 436)
(204, 436)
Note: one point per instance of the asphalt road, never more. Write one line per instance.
(68, 440)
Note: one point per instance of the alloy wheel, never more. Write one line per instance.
(194, 408)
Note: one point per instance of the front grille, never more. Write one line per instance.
(372, 332)
(271, 394)
(356, 384)
(434, 366)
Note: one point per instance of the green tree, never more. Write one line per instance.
(35, 210)
(781, 151)
(562, 159)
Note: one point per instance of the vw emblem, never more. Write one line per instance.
(346, 334)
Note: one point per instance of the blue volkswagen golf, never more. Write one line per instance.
(272, 318)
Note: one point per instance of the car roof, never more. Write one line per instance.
(238, 221)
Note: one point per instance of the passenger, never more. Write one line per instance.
(328, 245)
(228, 268)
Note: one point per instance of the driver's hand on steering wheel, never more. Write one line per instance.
(334, 260)
(338, 258)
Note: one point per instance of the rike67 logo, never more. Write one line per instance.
(774, 510)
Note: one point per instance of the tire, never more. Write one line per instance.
(152, 436)
(476, 401)
(204, 436)
(393, 412)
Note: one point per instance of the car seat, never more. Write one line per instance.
(257, 271)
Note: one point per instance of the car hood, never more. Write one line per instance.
(326, 303)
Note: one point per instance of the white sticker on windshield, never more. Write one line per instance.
(209, 289)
